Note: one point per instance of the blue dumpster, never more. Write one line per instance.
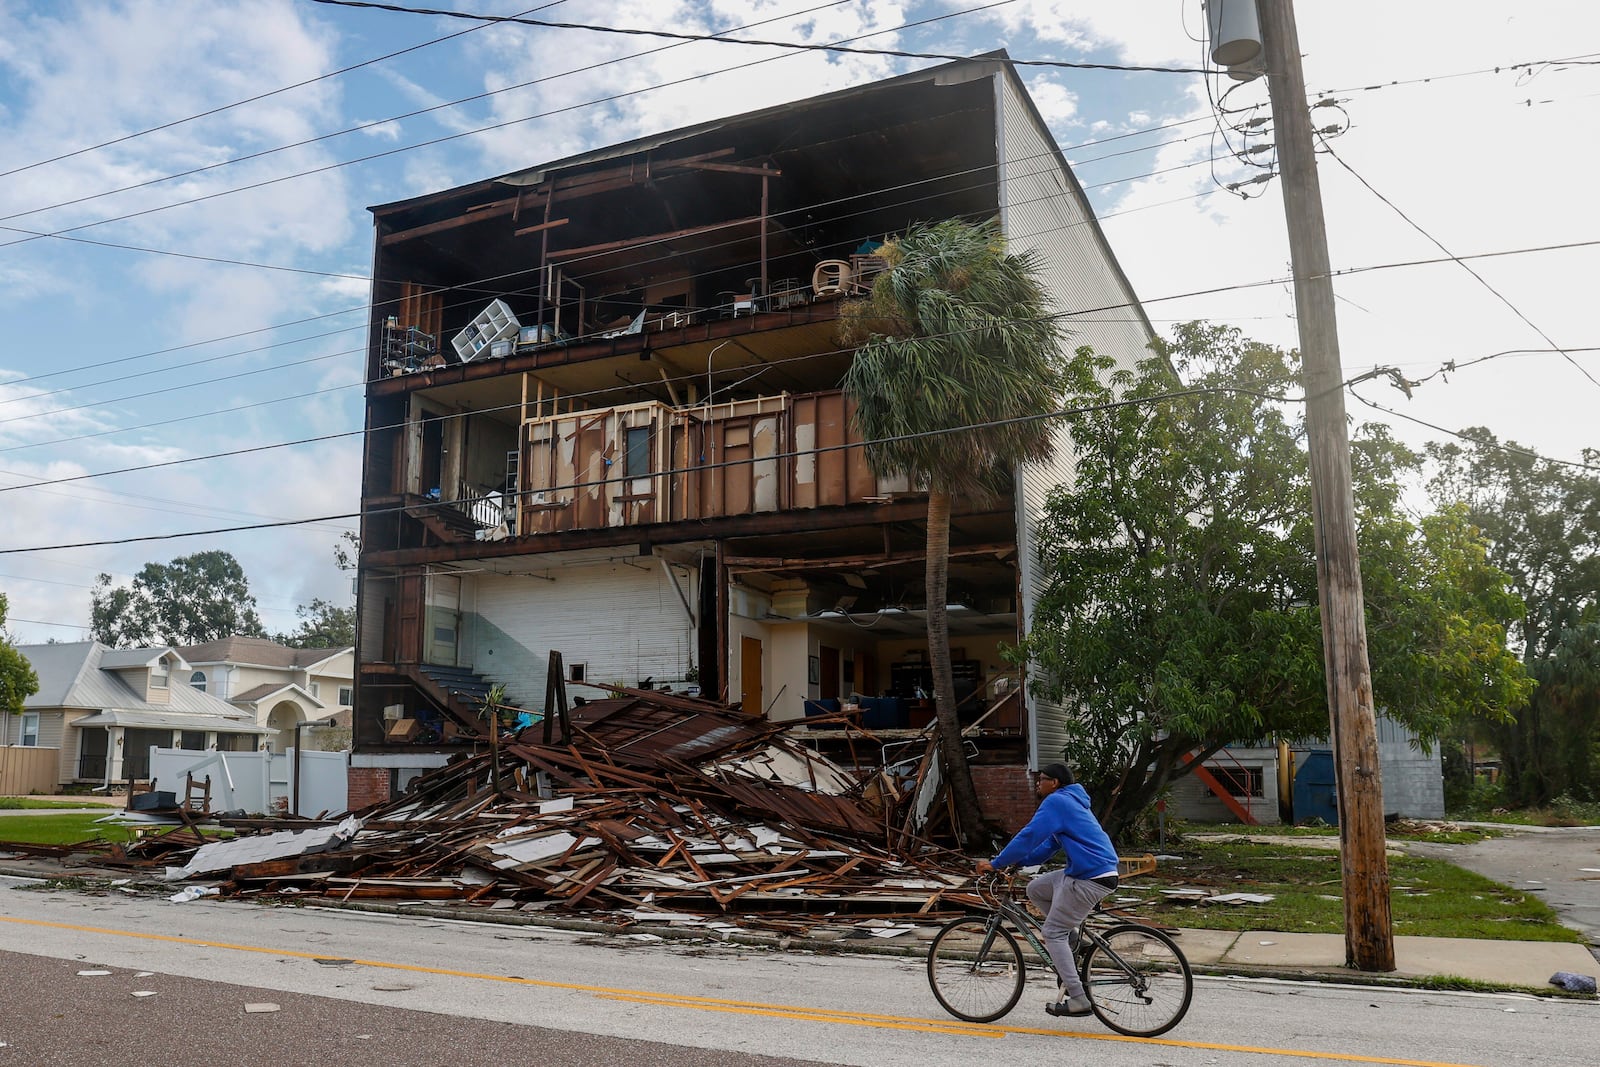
(1314, 786)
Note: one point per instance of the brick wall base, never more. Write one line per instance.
(368, 786)
(1005, 794)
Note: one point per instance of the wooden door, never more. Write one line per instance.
(830, 672)
(751, 696)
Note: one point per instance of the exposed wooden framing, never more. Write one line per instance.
(735, 168)
(540, 227)
(492, 210)
(611, 246)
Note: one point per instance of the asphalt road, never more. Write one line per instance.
(1561, 864)
(358, 988)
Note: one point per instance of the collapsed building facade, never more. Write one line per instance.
(605, 428)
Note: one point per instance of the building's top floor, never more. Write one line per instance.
(660, 249)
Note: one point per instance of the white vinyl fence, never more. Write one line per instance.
(259, 783)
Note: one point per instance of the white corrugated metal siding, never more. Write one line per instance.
(1043, 210)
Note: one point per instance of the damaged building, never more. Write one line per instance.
(605, 429)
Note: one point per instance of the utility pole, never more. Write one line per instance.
(1368, 929)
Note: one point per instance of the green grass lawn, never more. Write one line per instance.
(21, 803)
(71, 829)
(1430, 898)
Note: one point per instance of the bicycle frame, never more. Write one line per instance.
(1005, 908)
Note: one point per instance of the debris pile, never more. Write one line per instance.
(655, 809)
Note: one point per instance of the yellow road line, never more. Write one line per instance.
(746, 1007)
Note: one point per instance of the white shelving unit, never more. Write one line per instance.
(493, 323)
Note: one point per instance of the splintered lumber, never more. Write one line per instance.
(661, 808)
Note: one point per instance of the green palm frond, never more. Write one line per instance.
(954, 337)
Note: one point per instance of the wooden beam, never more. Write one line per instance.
(492, 210)
(611, 246)
(734, 168)
(664, 533)
(540, 228)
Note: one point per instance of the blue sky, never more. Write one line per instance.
(118, 357)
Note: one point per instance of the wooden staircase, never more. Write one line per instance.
(1209, 780)
(459, 691)
(448, 524)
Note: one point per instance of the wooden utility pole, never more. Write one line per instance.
(1368, 929)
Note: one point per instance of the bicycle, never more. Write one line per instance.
(1137, 979)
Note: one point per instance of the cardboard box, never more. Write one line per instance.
(402, 730)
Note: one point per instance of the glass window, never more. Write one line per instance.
(198, 680)
(30, 729)
(158, 675)
(316, 690)
(229, 742)
(346, 694)
(192, 740)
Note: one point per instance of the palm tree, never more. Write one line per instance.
(958, 358)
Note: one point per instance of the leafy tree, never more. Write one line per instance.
(1542, 521)
(322, 625)
(192, 600)
(347, 550)
(1182, 614)
(957, 340)
(18, 681)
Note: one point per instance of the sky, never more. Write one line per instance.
(185, 241)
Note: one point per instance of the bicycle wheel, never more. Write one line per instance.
(1138, 981)
(975, 972)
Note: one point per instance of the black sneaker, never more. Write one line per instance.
(1072, 1007)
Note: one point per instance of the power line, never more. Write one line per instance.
(365, 125)
(468, 133)
(1583, 60)
(1514, 449)
(794, 45)
(1498, 295)
(248, 100)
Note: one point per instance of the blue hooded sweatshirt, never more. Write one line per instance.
(1063, 822)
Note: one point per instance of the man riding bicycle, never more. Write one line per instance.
(1063, 823)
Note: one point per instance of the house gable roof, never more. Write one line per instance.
(77, 675)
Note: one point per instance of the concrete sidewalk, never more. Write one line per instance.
(1523, 963)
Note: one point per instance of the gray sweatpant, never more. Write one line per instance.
(1064, 901)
